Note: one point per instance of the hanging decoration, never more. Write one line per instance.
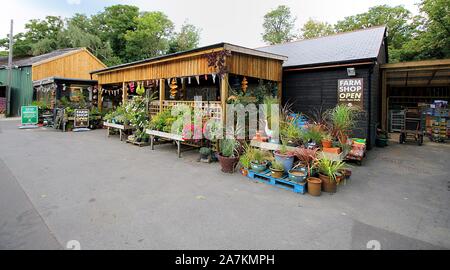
(198, 79)
(244, 84)
(216, 62)
(206, 77)
(214, 77)
(189, 80)
(140, 89)
(131, 87)
(173, 89)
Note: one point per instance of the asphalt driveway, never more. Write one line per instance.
(56, 187)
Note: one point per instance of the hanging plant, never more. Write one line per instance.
(216, 61)
(244, 84)
(173, 89)
(140, 90)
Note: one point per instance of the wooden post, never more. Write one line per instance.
(224, 97)
(280, 91)
(100, 94)
(124, 93)
(162, 93)
(384, 107)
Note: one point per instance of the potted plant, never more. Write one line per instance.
(343, 119)
(205, 152)
(327, 141)
(228, 156)
(307, 158)
(246, 158)
(298, 173)
(329, 174)
(314, 186)
(259, 161)
(277, 169)
(284, 156)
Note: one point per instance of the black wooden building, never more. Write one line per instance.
(316, 66)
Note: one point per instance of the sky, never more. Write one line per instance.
(234, 21)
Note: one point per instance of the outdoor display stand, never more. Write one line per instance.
(177, 139)
(30, 117)
(121, 128)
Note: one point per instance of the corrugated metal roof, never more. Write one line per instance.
(342, 47)
(29, 61)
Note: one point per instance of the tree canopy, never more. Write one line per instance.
(118, 34)
(410, 37)
(278, 25)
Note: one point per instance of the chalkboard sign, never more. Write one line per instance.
(81, 118)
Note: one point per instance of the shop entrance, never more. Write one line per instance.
(422, 86)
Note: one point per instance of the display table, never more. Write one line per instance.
(121, 128)
(270, 146)
(178, 139)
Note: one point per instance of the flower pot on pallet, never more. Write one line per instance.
(314, 186)
(277, 173)
(286, 159)
(228, 163)
(258, 167)
(328, 185)
(298, 175)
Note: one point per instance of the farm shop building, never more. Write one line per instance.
(343, 68)
(64, 68)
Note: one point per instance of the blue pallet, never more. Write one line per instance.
(266, 177)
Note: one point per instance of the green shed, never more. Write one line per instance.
(21, 88)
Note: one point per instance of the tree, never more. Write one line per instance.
(433, 39)
(187, 39)
(314, 29)
(113, 23)
(151, 37)
(400, 22)
(278, 26)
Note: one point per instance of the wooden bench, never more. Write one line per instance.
(121, 128)
(178, 139)
(269, 146)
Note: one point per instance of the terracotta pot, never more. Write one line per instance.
(327, 143)
(277, 173)
(244, 171)
(314, 186)
(228, 163)
(327, 184)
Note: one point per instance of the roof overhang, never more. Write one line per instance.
(173, 56)
(418, 73)
(53, 79)
(359, 62)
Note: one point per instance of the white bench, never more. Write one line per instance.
(178, 139)
(121, 128)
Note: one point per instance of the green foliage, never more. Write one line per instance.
(229, 147)
(330, 168)
(187, 39)
(151, 37)
(163, 121)
(314, 29)
(313, 133)
(118, 34)
(278, 25)
(343, 117)
(137, 115)
(277, 165)
(205, 151)
(40, 104)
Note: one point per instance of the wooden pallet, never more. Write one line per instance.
(266, 177)
(140, 144)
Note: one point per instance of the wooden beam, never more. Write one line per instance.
(384, 106)
(432, 77)
(162, 93)
(100, 96)
(124, 93)
(224, 84)
(329, 66)
(416, 64)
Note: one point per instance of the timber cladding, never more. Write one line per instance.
(75, 65)
(194, 64)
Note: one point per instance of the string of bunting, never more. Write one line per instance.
(47, 88)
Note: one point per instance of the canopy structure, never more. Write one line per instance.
(409, 83)
(210, 72)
